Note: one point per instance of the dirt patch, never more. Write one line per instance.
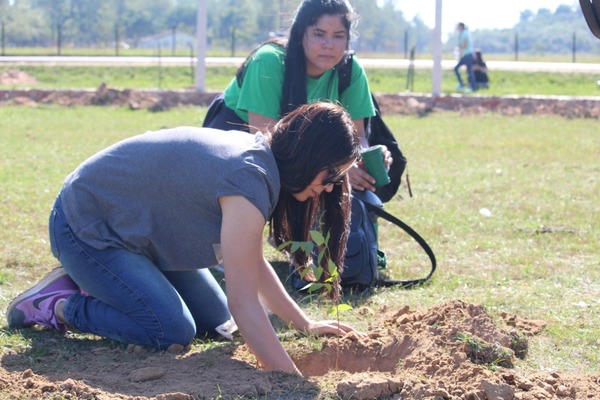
(451, 351)
(16, 77)
(391, 103)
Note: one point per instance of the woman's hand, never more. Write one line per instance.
(387, 157)
(330, 327)
(360, 178)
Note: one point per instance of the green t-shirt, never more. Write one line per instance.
(262, 87)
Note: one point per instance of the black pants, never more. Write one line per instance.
(219, 116)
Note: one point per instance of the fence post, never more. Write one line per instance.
(191, 62)
(159, 67)
(3, 40)
(233, 30)
(116, 39)
(58, 38)
(516, 46)
(174, 45)
(410, 77)
(406, 43)
(574, 46)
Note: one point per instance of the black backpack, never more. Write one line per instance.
(377, 133)
(364, 260)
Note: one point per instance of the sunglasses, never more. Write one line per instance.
(335, 178)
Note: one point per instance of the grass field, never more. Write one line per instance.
(381, 80)
(536, 255)
(566, 56)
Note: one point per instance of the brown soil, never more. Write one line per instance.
(16, 77)
(453, 350)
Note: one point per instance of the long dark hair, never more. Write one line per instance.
(308, 140)
(479, 57)
(307, 14)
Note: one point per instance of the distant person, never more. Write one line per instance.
(465, 57)
(480, 70)
(136, 227)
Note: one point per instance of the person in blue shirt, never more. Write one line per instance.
(465, 57)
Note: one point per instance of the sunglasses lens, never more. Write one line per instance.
(333, 180)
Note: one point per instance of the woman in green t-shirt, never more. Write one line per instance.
(280, 76)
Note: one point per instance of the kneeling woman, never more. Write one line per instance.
(136, 226)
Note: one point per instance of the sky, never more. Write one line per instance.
(476, 14)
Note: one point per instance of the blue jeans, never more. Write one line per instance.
(130, 300)
(466, 60)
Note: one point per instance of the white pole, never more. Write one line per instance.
(437, 51)
(201, 45)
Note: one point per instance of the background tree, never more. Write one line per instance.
(382, 26)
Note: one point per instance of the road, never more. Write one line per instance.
(235, 61)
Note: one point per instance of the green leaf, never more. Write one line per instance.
(318, 272)
(284, 245)
(333, 270)
(320, 257)
(314, 287)
(295, 247)
(339, 308)
(307, 247)
(304, 272)
(317, 237)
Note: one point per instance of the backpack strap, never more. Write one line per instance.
(345, 73)
(396, 221)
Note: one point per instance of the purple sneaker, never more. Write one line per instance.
(36, 305)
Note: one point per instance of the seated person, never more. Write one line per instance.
(480, 70)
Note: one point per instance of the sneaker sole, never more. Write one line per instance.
(13, 315)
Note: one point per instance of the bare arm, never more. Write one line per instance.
(259, 122)
(244, 264)
(252, 282)
(479, 67)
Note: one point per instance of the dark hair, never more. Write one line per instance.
(479, 57)
(309, 139)
(307, 14)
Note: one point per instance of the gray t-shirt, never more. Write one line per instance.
(157, 193)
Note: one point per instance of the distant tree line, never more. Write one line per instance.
(540, 32)
(245, 23)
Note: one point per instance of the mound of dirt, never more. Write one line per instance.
(16, 77)
(448, 352)
(391, 103)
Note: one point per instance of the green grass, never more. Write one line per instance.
(241, 51)
(382, 80)
(536, 255)
(148, 77)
